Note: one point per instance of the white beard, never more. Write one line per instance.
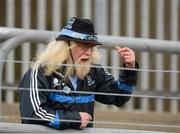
(81, 70)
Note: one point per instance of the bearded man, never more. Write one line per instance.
(64, 78)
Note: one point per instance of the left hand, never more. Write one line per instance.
(85, 118)
(127, 55)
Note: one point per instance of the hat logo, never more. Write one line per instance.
(70, 23)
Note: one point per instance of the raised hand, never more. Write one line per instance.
(127, 56)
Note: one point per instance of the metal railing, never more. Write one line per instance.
(158, 19)
(11, 38)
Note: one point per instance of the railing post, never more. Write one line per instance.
(1, 75)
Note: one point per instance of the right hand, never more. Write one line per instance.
(85, 118)
(127, 55)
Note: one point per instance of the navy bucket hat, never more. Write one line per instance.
(80, 30)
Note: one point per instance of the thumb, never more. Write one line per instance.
(90, 118)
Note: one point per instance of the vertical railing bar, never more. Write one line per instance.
(87, 9)
(130, 19)
(26, 19)
(10, 22)
(101, 23)
(115, 30)
(56, 14)
(72, 8)
(115, 17)
(101, 16)
(101, 26)
(144, 84)
(41, 20)
(174, 58)
(159, 57)
(130, 22)
(41, 14)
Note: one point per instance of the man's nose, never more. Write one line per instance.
(89, 51)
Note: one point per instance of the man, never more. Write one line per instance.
(64, 79)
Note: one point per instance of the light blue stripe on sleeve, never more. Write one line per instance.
(56, 122)
(124, 87)
(84, 99)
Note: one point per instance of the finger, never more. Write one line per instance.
(129, 57)
(126, 56)
(90, 118)
(83, 125)
(126, 53)
(126, 49)
(118, 48)
(129, 61)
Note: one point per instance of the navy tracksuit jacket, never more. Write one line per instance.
(54, 109)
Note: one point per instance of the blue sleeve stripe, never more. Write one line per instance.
(56, 122)
(61, 98)
(71, 99)
(124, 87)
(84, 99)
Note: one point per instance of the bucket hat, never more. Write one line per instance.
(79, 30)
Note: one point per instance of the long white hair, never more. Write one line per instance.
(56, 54)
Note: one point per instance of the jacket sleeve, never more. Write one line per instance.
(34, 106)
(107, 84)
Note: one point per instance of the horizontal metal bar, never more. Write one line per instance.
(142, 44)
(7, 33)
(139, 44)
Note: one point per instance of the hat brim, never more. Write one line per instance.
(67, 38)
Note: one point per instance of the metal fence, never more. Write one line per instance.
(157, 19)
(12, 39)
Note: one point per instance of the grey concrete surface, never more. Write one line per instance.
(29, 128)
